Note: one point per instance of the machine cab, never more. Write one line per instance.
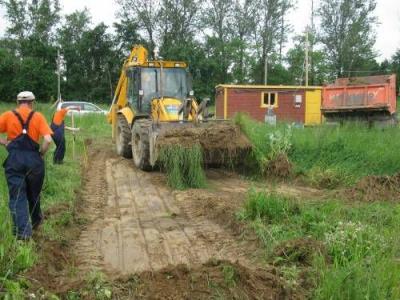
(171, 85)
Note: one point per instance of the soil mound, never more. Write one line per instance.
(376, 188)
(220, 209)
(299, 251)
(222, 143)
(279, 167)
(212, 280)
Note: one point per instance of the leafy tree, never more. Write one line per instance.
(145, 13)
(8, 71)
(395, 66)
(30, 38)
(178, 24)
(243, 26)
(271, 33)
(347, 35)
(92, 64)
(216, 17)
(318, 74)
(126, 35)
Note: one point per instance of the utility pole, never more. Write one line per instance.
(306, 63)
(266, 70)
(312, 44)
(58, 76)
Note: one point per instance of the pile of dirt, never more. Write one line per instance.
(212, 280)
(53, 271)
(376, 188)
(221, 209)
(279, 167)
(299, 251)
(222, 142)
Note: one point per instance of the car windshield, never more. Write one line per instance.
(173, 83)
(91, 107)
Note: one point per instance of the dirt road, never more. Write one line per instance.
(138, 224)
(178, 244)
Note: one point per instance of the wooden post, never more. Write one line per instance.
(73, 135)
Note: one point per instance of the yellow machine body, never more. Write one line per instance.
(154, 107)
(163, 108)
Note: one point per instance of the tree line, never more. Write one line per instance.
(224, 41)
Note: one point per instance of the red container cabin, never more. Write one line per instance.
(299, 104)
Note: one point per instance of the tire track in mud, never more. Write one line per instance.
(137, 225)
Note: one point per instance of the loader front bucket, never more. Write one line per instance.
(222, 142)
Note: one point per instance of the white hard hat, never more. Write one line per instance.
(25, 96)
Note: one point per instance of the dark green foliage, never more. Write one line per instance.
(92, 64)
(394, 67)
(30, 48)
(184, 166)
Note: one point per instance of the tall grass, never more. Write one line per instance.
(330, 156)
(184, 166)
(60, 187)
(360, 240)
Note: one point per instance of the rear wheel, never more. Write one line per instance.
(140, 144)
(123, 137)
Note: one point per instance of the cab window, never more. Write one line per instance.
(133, 87)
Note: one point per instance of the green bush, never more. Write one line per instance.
(268, 142)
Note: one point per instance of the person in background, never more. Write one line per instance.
(58, 127)
(24, 166)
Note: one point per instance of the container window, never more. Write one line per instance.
(269, 99)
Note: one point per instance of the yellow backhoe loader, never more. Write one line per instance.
(154, 106)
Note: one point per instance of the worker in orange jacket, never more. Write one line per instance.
(58, 127)
(24, 166)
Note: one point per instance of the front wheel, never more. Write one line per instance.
(140, 144)
(123, 137)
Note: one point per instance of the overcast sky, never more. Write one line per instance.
(388, 13)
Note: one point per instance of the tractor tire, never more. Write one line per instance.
(123, 137)
(141, 144)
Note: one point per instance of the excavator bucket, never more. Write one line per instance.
(222, 142)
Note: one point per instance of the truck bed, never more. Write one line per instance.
(360, 94)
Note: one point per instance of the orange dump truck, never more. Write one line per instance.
(371, 99)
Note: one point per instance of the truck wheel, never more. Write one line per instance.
(140, 144)
(123, 137)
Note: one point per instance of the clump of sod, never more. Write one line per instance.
(183, 165)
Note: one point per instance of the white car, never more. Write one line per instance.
(81, 107)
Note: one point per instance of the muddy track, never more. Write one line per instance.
(137, 224)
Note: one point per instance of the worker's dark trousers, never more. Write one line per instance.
(59, 140)
(25, 174)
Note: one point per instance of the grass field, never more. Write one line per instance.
(348, 250)
(60, 187)
(343, 251)
(338, 155)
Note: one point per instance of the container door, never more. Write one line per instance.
(313, 107)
